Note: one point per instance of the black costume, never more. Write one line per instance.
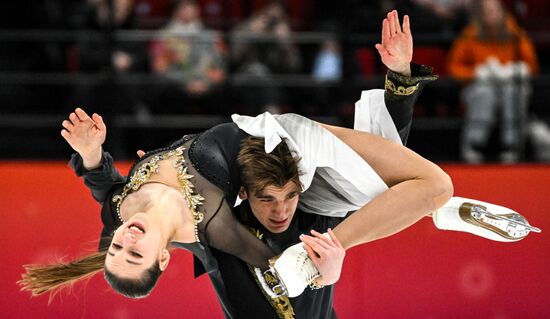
(226, 243)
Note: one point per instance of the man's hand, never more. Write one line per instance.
(396, 49)
(85, 135)
(327, 254)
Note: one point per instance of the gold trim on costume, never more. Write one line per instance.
(144, 172)
(400, 90)
(281, 305)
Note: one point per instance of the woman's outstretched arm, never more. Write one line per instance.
(86, 136)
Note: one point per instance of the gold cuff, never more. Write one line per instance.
(400, 90)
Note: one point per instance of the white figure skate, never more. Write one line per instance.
(289, 274)
(483, 219)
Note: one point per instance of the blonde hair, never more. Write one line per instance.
(40, 279)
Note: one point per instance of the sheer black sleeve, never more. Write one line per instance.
(221, 229)
(100, 180)
(213, 156)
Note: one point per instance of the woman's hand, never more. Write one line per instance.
(85, 135)
(396, 49)
(327, 254)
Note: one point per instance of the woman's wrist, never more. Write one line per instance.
(404, 70)
(93, 160)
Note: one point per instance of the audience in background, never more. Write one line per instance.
(262, 48)
(103, 69)
(328, 62)
(452, 14)
(360, 15)
(108, 56)
(539, 133)
(190, 63)
(495, 59)
(328, 72)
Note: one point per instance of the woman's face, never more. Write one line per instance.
(492, 12)
(136, 245)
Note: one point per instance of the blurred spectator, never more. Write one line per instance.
(190, 62)
(327, 69)
(107, 55)
(539, 133)
(261, 48)
(328, 62)
(495, 59)
(453, 14)
(362, 16)
(104, 55)
(152, 14)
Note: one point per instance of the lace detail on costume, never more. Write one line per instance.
(144, 172)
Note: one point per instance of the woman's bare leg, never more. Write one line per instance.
(416, 187)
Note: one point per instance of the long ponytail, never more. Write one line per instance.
(39, 279)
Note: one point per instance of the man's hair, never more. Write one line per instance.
(134, 288)
(259, 169)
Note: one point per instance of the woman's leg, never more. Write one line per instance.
(416, 187)
(401, 206)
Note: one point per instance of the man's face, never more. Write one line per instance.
(274, 207)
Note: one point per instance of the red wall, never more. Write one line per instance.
(419, 273)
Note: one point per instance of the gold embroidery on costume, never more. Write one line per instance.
(400, 90)
(282, 305)
(144, 172)
(270, 279)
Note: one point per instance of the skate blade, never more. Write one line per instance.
(513, 218)
(511, 226)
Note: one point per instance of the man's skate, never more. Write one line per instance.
(482, 219)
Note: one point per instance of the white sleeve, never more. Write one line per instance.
(371, 115)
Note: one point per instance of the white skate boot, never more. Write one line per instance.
(483, 219)
(289, 274)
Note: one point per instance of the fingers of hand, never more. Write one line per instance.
(323, 240)
(381, 50)
(74, 118)
(81, 114)
(68, 125)
(99, 122)
(386, 30)
(314, 243)
(394, 26)
(396, 21)
(322, 244)
(66, 135)
(391, 23)
(312, 254)
(406, 25)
